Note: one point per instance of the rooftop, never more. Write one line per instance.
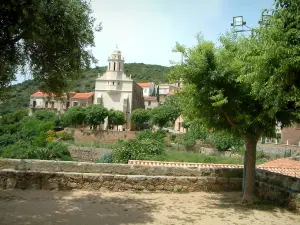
(39, 94)
(144, 84)
(83, 95)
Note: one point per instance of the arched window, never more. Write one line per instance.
(109, 66)
(114, 65)
(119, 66)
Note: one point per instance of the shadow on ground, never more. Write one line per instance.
(72, 208)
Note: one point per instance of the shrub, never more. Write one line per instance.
(159, 134)
(45, 115)
(24, 150)
(173, 137)
(224, 141)
(148, 134)
(64, 135)
(106, 158)
(57, 150)
(19, 150)
(189, 140)
(137, 150)
(7, 139)
(145, 134)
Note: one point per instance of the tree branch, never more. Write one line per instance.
(230, 120)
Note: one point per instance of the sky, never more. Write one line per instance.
(147, 30)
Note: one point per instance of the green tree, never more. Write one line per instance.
(96, 115)
(162, 114)
(74, 116)
(139, 117)
(116, 118)
(51, 37)
(45, 115)
(172, 104)
(214, 94)
(272, 59)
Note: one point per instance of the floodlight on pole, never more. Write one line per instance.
(238, 21)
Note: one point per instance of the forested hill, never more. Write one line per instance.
(140, 72)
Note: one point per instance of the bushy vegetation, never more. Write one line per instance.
(224, 141)
(32, 137)
(106, 158)
(137, 150)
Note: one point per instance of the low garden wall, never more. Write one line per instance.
(59, 175)
(281, 189)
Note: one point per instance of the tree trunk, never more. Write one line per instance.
(250, 143)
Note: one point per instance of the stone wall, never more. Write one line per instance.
(107, 137)
(59, 175)
(122, 169)
(91, 181)
(87, 154)
(278, 188)
(278, 150)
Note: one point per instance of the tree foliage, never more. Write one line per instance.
(74, 116)
(215, 94)
(50, 38)
(163, 114)
(140, 116)
(272, 62)
(45, 115)
(95, 115)
(116, 117)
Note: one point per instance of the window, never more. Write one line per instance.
(75, 103)
(109, 66)
(114, 66)
(46, 104)
(149, 103)
(83, 104)
(118, 83)
(113, 83)
(52, 105)
(120, 66)
(34, 104)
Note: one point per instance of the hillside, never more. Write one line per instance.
(20, 93)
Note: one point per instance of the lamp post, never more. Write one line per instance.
(238, 21)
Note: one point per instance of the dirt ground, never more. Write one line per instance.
(32, 207)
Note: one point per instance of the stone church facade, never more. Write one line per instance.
(117, 91)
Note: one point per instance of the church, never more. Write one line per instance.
(116, 91)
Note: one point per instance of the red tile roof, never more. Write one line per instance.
(39, 94)
(83, 95)
(284, 166)
(144, 84)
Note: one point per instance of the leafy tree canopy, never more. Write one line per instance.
(140, 116)
(272, 62)
(50, 38)
(74, 116)
(96, 114)
(45, 115)
(116, 117)
(163, 114)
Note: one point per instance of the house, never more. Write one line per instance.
(164, 89)
(148, 88)
(150, 102)
(178, 125)
(82, 99)
(42, 101)
(291, 135)
(116, 91)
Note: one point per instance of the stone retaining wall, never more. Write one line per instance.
(87, 154)
(123, 169)
(91, 181)
(278, 188)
